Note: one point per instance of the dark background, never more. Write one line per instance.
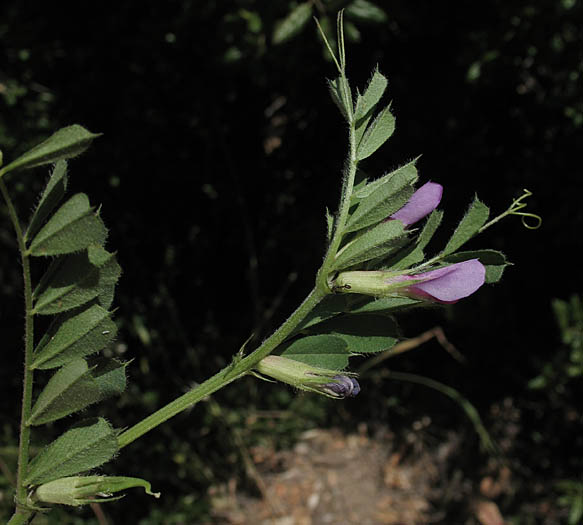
(221, 150)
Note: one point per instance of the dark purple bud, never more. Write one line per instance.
(343, 386)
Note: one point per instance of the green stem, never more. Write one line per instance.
(227, 375)
(23, 447)
(344, 207)
(21, 517)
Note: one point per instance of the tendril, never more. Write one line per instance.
(517, 205)
(514, 209)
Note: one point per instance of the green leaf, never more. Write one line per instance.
(473, 220)
(376, 134)
(360, 181)
(430, 228)
(293, 23)
(64, 144)
(415, 254)
(385, 198)
(365, 190)
(329, 225)
(71, 389)
(385, 305)
(330, 306)
(75, 387)
(366, 102)
(376, 242)
(341, 95)
(324, 351)
(72, 228)
(109, 273)
(365, 11)
(77, 450)
(494, 261)
(110, 377)
(74, 335)
(76, 279)
(52, 195)
(363, 334)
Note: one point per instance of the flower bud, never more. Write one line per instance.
(81, 490)
(305, 377)
(421, 204)
(74, 490)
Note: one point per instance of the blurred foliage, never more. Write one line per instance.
(225, 128)
(567, 364)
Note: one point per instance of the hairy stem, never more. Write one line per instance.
(227, 375)
(24, 442)
(344, 207)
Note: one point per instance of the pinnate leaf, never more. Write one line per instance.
(74, 335)
(384, 199)
(80, 449)
(340, 92)
(385, 305)
(330, 306)
(494, 261)
(366, 190)
(366, 102)
(473, 220)
(64, 144)
(324, 351)
(110, 376)
(52, 195)
(75, 387)
(415, 254)
(72, 228)
(374, 243)
(73, 280)
(381, 332)
(71, 389)
(376, 134)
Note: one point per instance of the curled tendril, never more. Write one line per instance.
(518, 205)
(514, 209)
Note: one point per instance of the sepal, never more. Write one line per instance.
(82, 490)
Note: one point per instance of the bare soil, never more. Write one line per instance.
(332, 478)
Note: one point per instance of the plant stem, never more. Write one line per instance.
(344, 207)
(238, 369)
(23, 447)
(21, 517)
(227, 375)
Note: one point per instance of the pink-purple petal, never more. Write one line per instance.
(445, 285)
(421, 204)
(452, 283)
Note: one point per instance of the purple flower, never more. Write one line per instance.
(343, 386)
(445, 285)
(421, 203)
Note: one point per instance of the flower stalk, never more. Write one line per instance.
(235, 370)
